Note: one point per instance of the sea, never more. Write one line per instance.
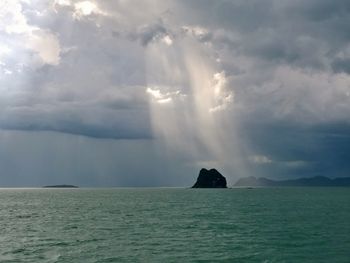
(175, 225)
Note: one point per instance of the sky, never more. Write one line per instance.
(145, 93)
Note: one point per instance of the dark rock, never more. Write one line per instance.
(210, 179)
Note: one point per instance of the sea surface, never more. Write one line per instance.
(175, 225)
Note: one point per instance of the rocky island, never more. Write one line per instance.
(61, 186)
(210, 179)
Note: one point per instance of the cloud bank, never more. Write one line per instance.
(250, 87)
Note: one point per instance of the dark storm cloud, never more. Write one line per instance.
(97, 89)
(300, 150)
(115, 69)
(298, 34)
(97, 123)
(340, 65)
(301, 33)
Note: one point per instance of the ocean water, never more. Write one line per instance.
(175, 225)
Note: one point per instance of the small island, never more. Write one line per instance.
(61, 186)
(210, 179)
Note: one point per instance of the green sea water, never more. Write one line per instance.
(175, 225)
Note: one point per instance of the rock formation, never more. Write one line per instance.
(210, 179)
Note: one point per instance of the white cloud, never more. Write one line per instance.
(166, 100)
(7, 72)
(155, 93)
(11, 18)
(260, 159)
(167, 40)
(163, 98)
(63, 2)
(86, 8)
(4, 50)
(44, 43)
(222, 96)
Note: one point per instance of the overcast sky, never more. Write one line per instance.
(145, 93)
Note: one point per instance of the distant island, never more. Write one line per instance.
(210, 179)
(310, 181)
(61, 186)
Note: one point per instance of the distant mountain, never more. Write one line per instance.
(310, 181)
(61, 186)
